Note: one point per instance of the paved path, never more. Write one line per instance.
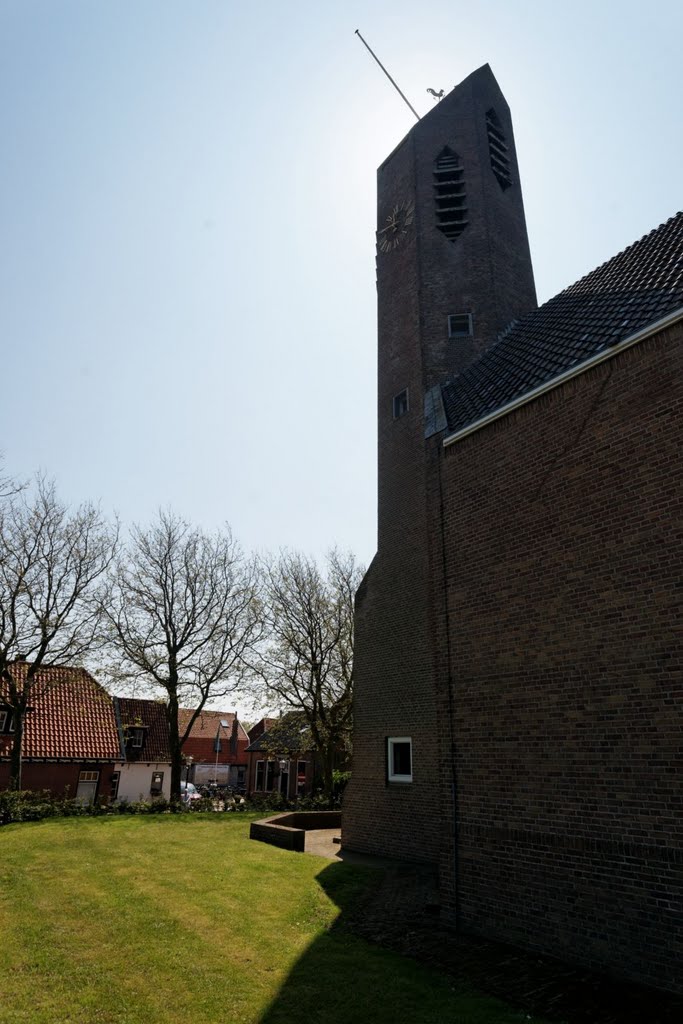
(400, 911)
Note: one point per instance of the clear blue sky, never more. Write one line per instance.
(187, 214)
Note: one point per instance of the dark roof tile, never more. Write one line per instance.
(636, 288)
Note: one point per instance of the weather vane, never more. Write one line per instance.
(437, 95)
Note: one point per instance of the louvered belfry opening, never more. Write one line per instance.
(449, 194)
(498, 150)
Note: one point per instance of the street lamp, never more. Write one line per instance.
(223, 724)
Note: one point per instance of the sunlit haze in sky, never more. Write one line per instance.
(187, 215)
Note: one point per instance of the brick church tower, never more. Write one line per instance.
(453, 270)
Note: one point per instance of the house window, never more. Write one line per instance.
(284, 778)
(114, 785)
(87, 786)
(399, 759)
(300, 778)
(4, 715)
(459, 325)
(138, 738)
(259, 776)
(157, 783)
(400, 404)
(270, 775)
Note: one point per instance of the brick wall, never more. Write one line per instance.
(58, 778)
(563, 562)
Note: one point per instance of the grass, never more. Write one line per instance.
(163, 920)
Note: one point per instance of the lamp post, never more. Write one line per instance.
(223, 724)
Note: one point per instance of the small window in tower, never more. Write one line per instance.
(400, 404)
(498, 150)
(449, 194)
(399, 759)
(459, 325)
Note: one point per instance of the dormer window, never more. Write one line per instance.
(134, 736)
(5, 717)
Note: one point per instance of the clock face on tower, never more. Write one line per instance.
(396, 226)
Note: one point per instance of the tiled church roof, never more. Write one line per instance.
(72, 716)
(628, 293)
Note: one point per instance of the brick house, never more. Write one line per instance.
(276, 761)
(518, 666)
(71, 740)
(217, 744)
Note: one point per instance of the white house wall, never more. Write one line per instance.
(135, 780)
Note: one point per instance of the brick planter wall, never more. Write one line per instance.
(288, 830)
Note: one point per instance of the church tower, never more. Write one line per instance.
(453, 270)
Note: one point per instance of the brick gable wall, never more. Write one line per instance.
(563, 543)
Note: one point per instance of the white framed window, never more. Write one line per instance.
(399, 759)
(87, 786)
(138, 738)
(3, 720)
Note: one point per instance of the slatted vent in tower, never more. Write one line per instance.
(498, 150)
(449, 194)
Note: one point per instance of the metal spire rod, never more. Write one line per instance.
(388, 75)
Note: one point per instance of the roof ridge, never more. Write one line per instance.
(622, 252)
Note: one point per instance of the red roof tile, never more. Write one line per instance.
(72, 717)
(200, 744)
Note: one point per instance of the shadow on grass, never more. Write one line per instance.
(385, 959)
(344, 979)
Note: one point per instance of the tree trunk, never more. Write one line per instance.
(17, 744)
(174, 744)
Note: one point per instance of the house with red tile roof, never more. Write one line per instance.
(71, 740)
(217, 744)
(143, 767)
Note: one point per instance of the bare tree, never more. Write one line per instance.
(52, 559)
(182, 613)
(305, 662)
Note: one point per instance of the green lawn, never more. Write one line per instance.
(163, 920)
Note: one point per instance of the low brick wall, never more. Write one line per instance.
(289, 830)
